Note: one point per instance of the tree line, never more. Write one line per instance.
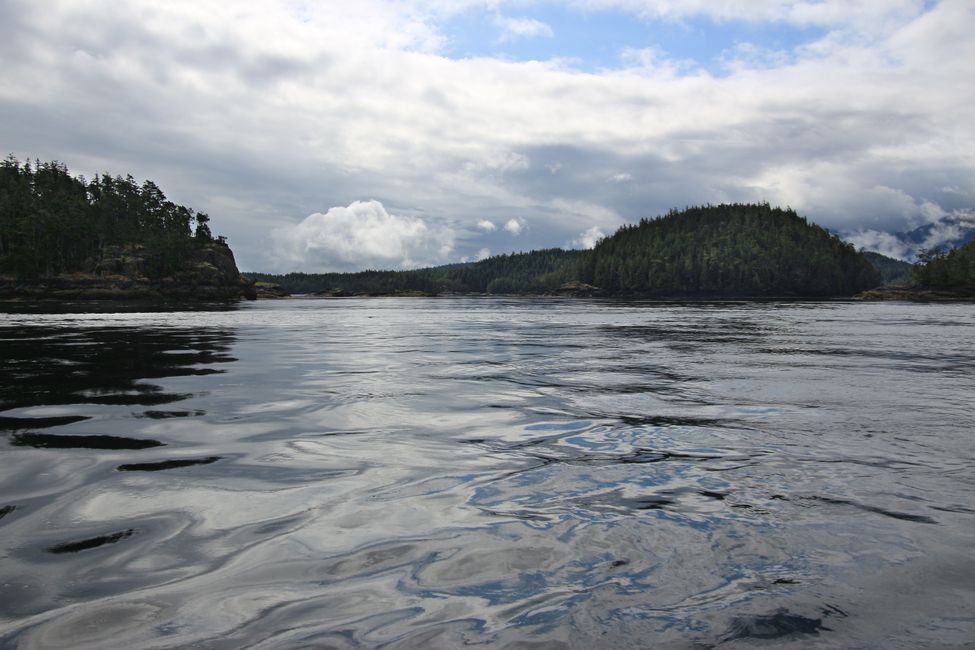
(947, 270)
(731, 249)
(52, 222)
(533, 272)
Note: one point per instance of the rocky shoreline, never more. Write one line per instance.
(918, 294)
(209, 274)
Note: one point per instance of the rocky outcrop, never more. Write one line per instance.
(270, 290)
(332, 293)
(209, 273)
(577, 289)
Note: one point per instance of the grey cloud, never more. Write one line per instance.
(263, 134)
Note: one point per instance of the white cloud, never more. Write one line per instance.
(362, 235)
(881, 242)
(622, 177)
(515, 226)
(482, 254)
(941, 229)
(295, 106)
(589, 238)
(932, 212)
(486, 225)
(522, 27)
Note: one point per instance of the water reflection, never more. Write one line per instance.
(440, 473)
(103, 366)
(79, 441)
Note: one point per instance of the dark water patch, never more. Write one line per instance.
(675, 421)
(68, 307)
(895, 463)
(904, 516)
(93, 542)
(653, 502)
(955, 508)
(919, 362)
(167, 464)
(104, 365)
(641, 456)
(777, 625)
(735, 331)
(717, 496)
(164, 415)
(54, 441)
(137, 399)
(13, 424)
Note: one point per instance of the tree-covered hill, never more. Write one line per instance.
(52, 222)
(954, 270)
(891, 271)
(732, 249)
(63, 237)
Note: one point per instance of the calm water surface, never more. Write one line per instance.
(504, 473)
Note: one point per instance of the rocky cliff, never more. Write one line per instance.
(121, 273)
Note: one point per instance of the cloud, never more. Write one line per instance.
(881, 242)
(941, 229)
(362, 235)
(482, 254)
(486, 225)
(522, 27)
(589, 238)
(261, 116)
(515, 226)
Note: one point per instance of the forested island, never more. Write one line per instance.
(64, 237)
(938, 276)
(721, 250)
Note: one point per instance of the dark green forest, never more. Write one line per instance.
(738, 249)
(892, 271)
(52, 222)
(951, 270)
(534, 272)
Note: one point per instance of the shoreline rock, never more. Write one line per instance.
(917, 294)
(209, 274)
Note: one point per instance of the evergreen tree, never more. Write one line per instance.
(52, 222)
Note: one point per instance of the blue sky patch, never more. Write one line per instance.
(595, 40)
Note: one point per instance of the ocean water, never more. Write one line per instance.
(521, 473)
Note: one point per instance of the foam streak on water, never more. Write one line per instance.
(440, 472)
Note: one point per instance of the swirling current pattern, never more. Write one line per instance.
(432, 473)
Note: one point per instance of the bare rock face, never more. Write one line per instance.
(270, 290)
(209, 274)
(129, 261)
(577, 288)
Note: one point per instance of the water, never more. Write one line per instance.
(506, 473)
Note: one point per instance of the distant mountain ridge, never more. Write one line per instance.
(944, 234)
(949, 233)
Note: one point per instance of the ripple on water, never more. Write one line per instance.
(441, 473)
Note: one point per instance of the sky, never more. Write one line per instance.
(341, 136)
